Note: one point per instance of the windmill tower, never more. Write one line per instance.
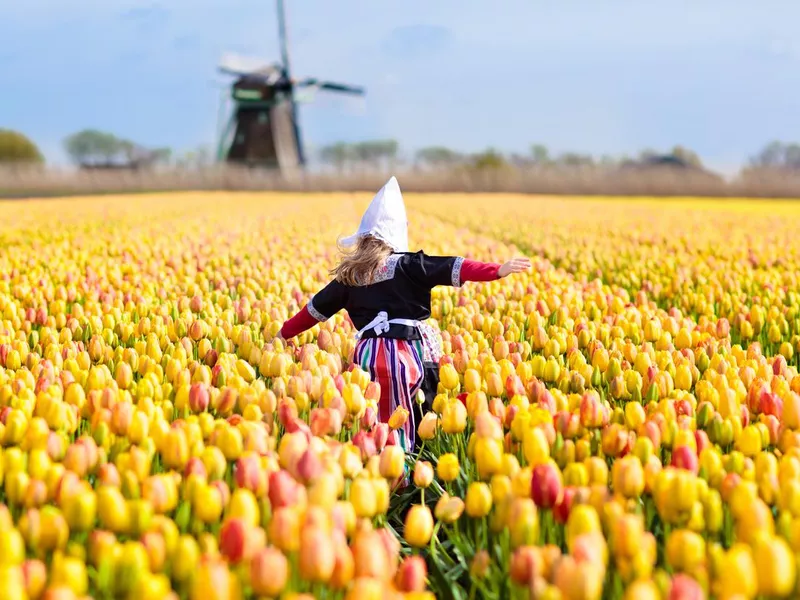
(263, 128)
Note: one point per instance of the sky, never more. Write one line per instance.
(599, 76)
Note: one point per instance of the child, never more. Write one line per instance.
(386, 291)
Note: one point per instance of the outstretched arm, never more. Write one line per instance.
(473, 270)
(455, 270)
(299, 323)
(326, 303)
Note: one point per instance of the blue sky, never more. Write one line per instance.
(601, 76)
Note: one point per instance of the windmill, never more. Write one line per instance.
(263, 127)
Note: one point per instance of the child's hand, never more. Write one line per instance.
(515, 265)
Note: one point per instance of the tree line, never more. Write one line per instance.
(91, 148)
(343, 157)
(95, 149)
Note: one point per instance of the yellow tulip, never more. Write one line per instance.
(447, 468)
(418, 526)
(478, 500)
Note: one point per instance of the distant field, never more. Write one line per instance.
(20, 183)
(621, 422)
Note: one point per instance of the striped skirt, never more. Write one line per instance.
(397, 366)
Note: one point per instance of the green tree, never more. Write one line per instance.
(337, 155)
(17, 148)
(574, 159)
(438, 157)
(777, 155)
(489, 159)
(92, 147)
(387, 151)
(540, 154)
(687, 156)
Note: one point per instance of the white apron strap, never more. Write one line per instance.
(382, 323)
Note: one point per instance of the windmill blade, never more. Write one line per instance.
(341, 87)
(244, 66)
(330, 86)
(282, 37)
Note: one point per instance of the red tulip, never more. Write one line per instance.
(233, 539)
(364, 442)
(701, 440)
(282, 489)
(194, 466)
(249, 475)
(514, 386)
(198, 397)
(683, 407)
(563, 505)
(685, 588)
(369, 418)
(309, 467)
(380, 435)
(547, 402)
(511, 412)
(526, 565)
(412, 574)
(778, 365)
(339, 382)
(546, 486)
(287, 412)
(772, 404)
(684, 457)
(651, 429)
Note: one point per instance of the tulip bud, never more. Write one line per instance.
(546, 485)
(213, 581)
(269, 572)
(363, 498)
(412, 574)
(309, 467)
(317, 555)
(35, 574)
(423, 474)
(478, 500)
(380, 435)
(523, 522)
(398, 418)
(233, 540)
(392, 462)
(449, 509)
(454, 417)
(526, 565)
(448, 376)
(427, 426)
(69, 572)
(419, 526)
(448, 468)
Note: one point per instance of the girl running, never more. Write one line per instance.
(386, 291)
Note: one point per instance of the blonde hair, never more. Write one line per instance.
(359, 266)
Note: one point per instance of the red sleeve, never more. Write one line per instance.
(299, 323)
(473, 270)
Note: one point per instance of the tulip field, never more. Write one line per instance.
(621, 422)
